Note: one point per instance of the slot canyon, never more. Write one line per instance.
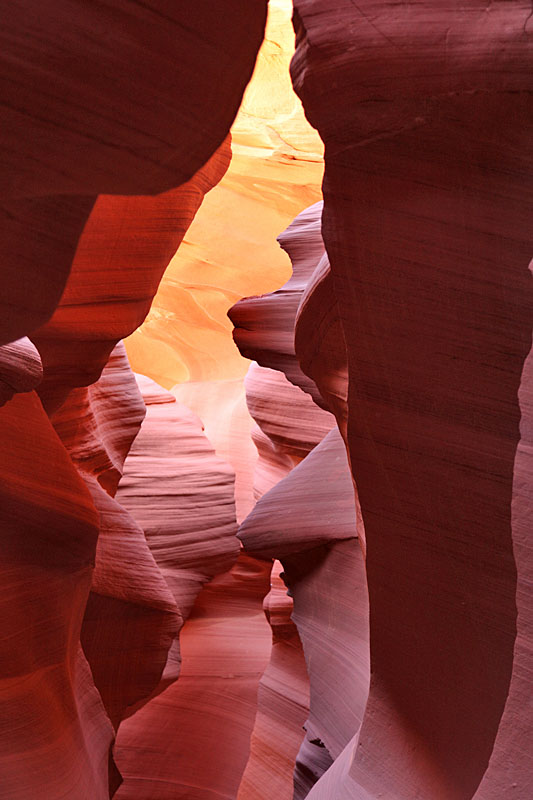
(266, 400)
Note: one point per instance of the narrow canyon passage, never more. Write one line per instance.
(265, 400)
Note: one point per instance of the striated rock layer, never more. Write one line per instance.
(131, 617)
(124, 100)
(193, 740)
(125, 248)
(55, 735)
(426, 121)
(264, 326)
(110, 101)
(308, 521)
(181, 495)
(282, 704)
(221, 405)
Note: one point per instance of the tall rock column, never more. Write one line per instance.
(426, 118)
(96, 99)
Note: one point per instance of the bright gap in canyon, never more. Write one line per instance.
(266, 400)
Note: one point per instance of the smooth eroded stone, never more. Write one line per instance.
(55, 735)
(426, 117)
(20, 368)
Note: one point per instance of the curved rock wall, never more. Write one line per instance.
(282, 704)
(96, 102)
(49, 533)
(308, 520)
(391, 385)
(425, 117)
(107, 101)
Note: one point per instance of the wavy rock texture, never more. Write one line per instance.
(121, 257)
(273, 463)
(131, 618)
(105, 101)
(282, 704)
(290, 425)
(264, 326)
(181, 495)
(225, 648)
(21, 369)
(221, 405)
(308, 521)
(320, 343)
(94, 100)
(285, 413)
(55, 733)
(425, 203)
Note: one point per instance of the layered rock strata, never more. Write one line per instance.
(107, 101)
(308, 521)
(221, 405)
(55, 732)
(282, 704)
(86, 114)
(182, 496)
(264, 326)
(211, 709)
(426, 119)
(131, 617)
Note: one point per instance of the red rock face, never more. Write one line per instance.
(511, 756)
(173, 485)
(111, 102)
(125, 248)
(308, 520)
(20, 368)
(286, 414)
(320, 344)
(425, 226)
(182, 496)
(221, 405)
(92, 102)
(55, 732)
(392, 384)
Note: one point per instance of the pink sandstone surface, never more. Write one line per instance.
(303, 520)
(71, 131)
(221, 405)
(211, 708)
(264, 326)
(282, 704)
(425, 123)
(392, 384)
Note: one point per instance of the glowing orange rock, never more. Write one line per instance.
(129, 100)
